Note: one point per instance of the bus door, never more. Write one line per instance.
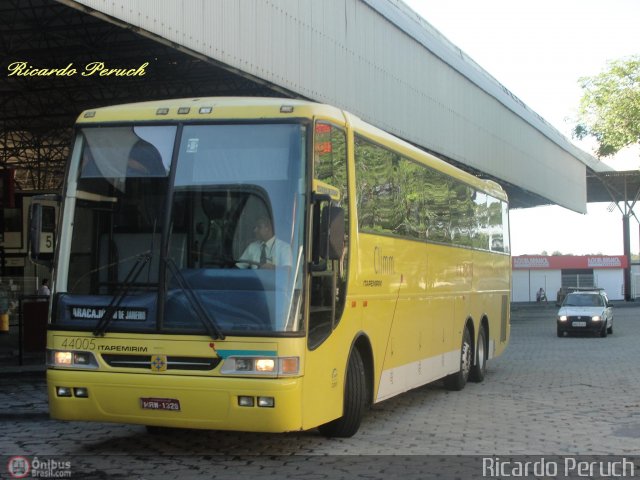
(327, 280)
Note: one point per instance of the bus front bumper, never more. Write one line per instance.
(216, 403)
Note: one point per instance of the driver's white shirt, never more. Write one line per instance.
(278, 253)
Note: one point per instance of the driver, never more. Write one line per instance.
(267, 251)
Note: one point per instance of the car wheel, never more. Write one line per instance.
(603, 332)
(560, 332)
(610, 329)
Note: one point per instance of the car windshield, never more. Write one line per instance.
(583, 300)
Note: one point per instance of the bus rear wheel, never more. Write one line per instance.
(479, 369)
(355, 401)
(457, 381)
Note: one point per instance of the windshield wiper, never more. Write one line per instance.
(130, 279)
(207, 320)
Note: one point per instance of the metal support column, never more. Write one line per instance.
(626, 238)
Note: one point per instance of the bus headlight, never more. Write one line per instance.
(265, 365)
(71, 359)
(268, 366)
(62, 359)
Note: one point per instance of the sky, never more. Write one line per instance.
(539, 50)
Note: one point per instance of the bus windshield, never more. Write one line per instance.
(172, 225)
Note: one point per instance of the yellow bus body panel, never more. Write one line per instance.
(325, 371)
(205, 402)
(207, 399)
(419, 298)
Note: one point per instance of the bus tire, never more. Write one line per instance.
(355, 401)
(479, 368)
(457, 381)
(155, 430)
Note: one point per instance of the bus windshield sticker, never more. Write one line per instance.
(192, 145)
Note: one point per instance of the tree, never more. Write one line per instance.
(610, 106)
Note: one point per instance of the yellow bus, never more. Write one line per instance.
(266, 265)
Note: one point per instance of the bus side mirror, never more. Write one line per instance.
(328, 241)
(332, 229)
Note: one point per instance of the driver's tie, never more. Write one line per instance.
(263, 254)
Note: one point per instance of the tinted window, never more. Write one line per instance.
(400, 197)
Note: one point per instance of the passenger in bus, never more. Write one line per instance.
(266, 251)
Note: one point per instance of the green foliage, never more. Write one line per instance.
(610, 106)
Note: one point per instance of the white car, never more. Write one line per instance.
(586, 312)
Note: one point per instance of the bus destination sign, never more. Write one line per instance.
(121, 313)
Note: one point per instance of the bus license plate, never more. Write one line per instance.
(579, 324)
(160, 404)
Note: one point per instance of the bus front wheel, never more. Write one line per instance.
(355, 401)
(457, 381)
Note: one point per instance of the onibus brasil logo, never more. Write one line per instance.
(20, 467)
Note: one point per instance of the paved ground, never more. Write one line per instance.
(545, 396)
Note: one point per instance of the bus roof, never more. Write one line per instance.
(209, 108)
